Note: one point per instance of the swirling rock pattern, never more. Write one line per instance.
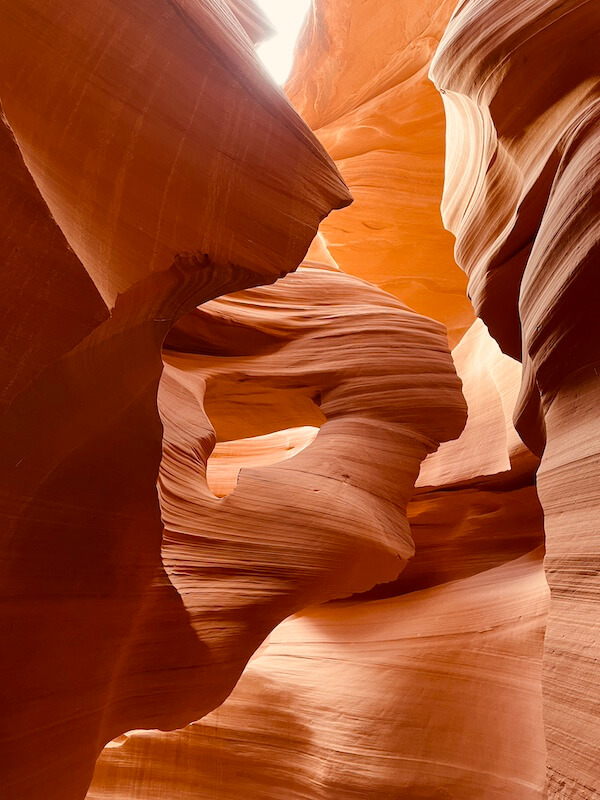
(191, 456)
(360, 81)
(357, 701)
(151, 130)
(127, 153)
(328, 349)
(522, 197)
(428, 684)
(129, 639)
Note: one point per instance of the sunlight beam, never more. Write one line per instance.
(286, 16)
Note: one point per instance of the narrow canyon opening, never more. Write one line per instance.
(300, 471)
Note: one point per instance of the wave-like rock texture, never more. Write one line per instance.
(359, 701)
(520, 86)
(318, 349)
(155, 179)
(428, 686)
(151, 130)
(360, 81)
(141, 144)
(104, 635)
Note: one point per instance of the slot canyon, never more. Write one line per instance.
(300, 402)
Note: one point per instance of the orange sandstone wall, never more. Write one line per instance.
(360, 81)
(155, 179)
(521, 91)
(428, 684)
(142, 146)
(361, 700)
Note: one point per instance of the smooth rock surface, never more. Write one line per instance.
(522, 196)
(132, 139)
(152, 131)
(226, 512)
(358, 701)
(360, 81)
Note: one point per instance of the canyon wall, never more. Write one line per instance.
(360, 81)
(428, 685)
(522, 97)
(143, 149)
(265, 536)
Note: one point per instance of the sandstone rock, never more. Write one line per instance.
(522, 198)
(360, 81)
(293, 428)
(327, 351)
(358, 701)
(150, 132)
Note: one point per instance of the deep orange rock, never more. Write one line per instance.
(329, 351)
(117, 121)
(152, 131)
(41, 279)
(522, 198)
(360, 81)
(359, 700)
(155, 180)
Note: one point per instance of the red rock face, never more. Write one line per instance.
(522, 199)
(323, 710)
(360, 81)
(112, 113)
(254, 544)
(132, 146)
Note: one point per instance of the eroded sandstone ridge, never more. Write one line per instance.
(360, 81)
(522, 97)
(237, 562)
(142, 144)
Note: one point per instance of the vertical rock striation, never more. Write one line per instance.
(521, 91)
(360, 81)
(142, 144)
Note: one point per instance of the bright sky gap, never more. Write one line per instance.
(286, 16)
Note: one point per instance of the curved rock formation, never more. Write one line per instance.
(359, 701)
(360, 81)
(330, 350)
(156, 133)
(143, 128)
(355, 719)
(228, 458)
(153, 648)
(522, 197)
(155, 180)
(128, 644)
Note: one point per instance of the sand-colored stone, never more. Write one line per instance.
(226, 512)
(358, 701)
(126, 153)
(152, 131)
(522, 189)
(360, 81)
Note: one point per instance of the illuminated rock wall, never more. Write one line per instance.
(235, 554)
(522, 193)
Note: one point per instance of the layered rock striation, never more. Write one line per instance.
(236, 559)
(360, 81)
(522, 100)
(358, 701)
(143, 147)
(427, 684)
